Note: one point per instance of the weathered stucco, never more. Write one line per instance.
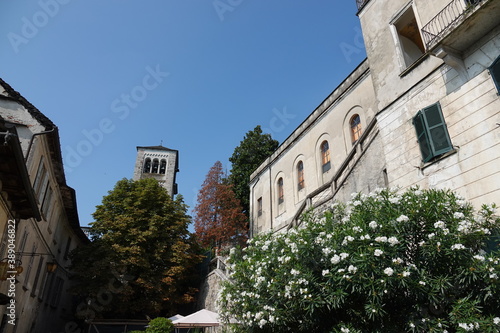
(388, 92)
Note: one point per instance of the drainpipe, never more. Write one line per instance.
(251, 212)
(33, 138)
(271, 195)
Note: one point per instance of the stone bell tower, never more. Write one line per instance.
(160, 163)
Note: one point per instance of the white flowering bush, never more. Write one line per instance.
(418, 261)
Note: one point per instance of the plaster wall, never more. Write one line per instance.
(330, 122)
(471, 111)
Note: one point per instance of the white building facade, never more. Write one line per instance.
(422, 109)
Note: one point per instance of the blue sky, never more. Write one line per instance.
(195, 75)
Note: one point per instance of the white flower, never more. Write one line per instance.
(356, 203)
(393, 240)
(402, 218)
(352, 269)
(494, 276)
(397, 261)
(335, 259)
(347, 239)
(344, 255)
(478, 257)
(394, 200)
(465, 326)
(327, 250)
(406, 274)
(325, 272)
(464, 226)
(496, 320)
(458, 215)
(431, 235)
(422, 283)
(457, 247)
(344, 330)
(357, 229)
(439, 225)
(381, 239)
(294, 272)
(373, 225)
(378, 253)
(388, 271)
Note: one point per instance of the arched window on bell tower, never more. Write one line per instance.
(155, 166)
(147, 165)
(163, 166)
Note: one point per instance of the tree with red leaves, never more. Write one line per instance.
(219, 222)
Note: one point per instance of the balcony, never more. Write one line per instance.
(461, 23)
(361, 4)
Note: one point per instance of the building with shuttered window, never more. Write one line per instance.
(423, 109)
(36, 201)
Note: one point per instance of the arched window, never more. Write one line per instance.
(147, 165)
(300, 176)
(355, 124)
(163, 166)
(155, 166)
(325, 156)
(281, 194)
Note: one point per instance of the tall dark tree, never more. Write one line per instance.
(251, 152)
(142, 258)
(219, 221)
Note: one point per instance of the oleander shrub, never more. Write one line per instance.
(160, 325)
(389, 261)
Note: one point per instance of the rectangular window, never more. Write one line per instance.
(29, 266)
(24, 239)
(37, 277)
(43, 284)
(47, 288)
(259, 206)
(411, 45)
(40, 174)
(57, 291)
(432, 133)
(66, 251)
(47, 203)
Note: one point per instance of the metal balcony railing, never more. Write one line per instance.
(361, 3)
(446, 19)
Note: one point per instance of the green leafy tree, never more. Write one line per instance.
(160, 325)
(142, 258)
(219, 221)
(418, 261)
(251, 152)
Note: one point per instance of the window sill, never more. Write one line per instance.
(437, 159)
(415, 64)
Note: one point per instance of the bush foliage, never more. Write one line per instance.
(160, 325)
(418, 261)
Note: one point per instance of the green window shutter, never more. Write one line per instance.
(422, 137)
(432, 133)
(495, 72)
